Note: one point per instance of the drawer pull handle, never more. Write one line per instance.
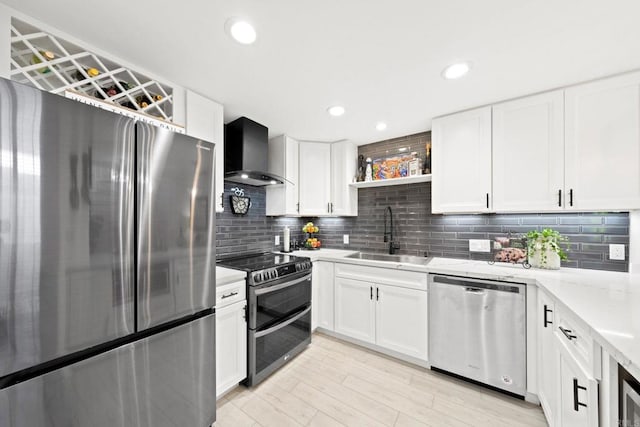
(567, 333)
(232, 294)
(576, 401)
(546, 321)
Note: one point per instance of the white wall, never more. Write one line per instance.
(634, 242)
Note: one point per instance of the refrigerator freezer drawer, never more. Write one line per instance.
(167, 379)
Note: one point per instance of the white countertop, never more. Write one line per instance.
(607, 302)
(328, 254)
(224, 276)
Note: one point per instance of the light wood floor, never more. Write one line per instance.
(334, 383)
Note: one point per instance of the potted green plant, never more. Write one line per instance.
(544, 248)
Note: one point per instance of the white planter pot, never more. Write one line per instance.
(549, 261)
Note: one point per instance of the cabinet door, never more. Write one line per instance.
(283, 161)
(548, 360)
(325, 294)
(315, 178)
(205, 120)
(355, 309)
(528, 154)
(461, 165)
(344, 198)
(602, 144)
(401, 320)
(231, 346)
(577, 388)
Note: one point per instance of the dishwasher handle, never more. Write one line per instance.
(479, 284)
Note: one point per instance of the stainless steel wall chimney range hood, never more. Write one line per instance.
(245, 154)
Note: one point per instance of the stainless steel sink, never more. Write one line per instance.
(402, 259)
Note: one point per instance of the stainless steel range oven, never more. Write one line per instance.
(279, 310)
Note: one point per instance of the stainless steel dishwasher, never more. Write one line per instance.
(477, 330)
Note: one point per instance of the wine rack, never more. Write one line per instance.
(55, 65)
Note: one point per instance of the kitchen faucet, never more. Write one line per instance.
(388, 235)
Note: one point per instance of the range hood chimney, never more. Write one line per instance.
(245, 154)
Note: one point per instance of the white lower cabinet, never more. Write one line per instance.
(355, 313)
(323, 295)
(548, 359)
(231, 346)
(578, 394)
(391, 317)
(401, 320)
(568, 368)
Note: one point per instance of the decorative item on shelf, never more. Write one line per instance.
(311, 242)
(239, 203)
(415, 165)
(361, 168)
(545, 250)
(427, 160)
(396, 166)
(368, 177)
(511, 250)
(47, 55)
(90, 72)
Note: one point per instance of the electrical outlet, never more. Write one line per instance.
(277, 240)
(616, 252)
(345, 239)
(476, 245)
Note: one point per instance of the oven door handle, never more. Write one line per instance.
(274, 288)
(284, 323)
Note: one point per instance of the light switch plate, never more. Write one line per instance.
(345, 239)
(616, 252)
(479, 245)
(277, 240)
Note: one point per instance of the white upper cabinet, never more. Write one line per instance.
(602, 144)
(205, 120)
(461, 162)
(283, 161)
(528, 154)
(315, 178)
(344, 198)
(323, 176)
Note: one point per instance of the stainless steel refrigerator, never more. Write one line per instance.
(107, 264)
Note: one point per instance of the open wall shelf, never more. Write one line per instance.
(394, 181)
(55, 65)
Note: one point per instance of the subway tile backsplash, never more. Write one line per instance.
(421, 233)
(253, 232)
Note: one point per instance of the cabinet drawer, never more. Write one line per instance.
(388, 276)
(231, 293)
(579, 343)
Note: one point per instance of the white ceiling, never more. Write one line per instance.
(381, 59)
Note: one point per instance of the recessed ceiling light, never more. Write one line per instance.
(244, 176)
(381, 126)
(241, 31)
(336, 110)
(455, 71)
(273, 182)
(401, 149)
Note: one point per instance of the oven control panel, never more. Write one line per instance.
(282, 271)
(304, 265)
